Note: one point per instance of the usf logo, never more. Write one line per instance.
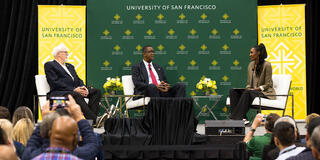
(138, 47)
(117, 51)
(116, 48)
(138, 19)
(182, 16)
(193, 62)
(160, 47)
(127, 63)
(193, 32)
(182, 47)
(138, 50)
(182, 78)
(127, 32)
(214, 62)
(193, 35)
(225, 49)
(203, 18)
(127, 35)
(236, 34)
(106, 63)
(160, 19)
(171, 34)
(171, 63)
(193, 65)
(116, 19)
(235, 65)
(160, 16)
(149, 35)
(182, 19)
(149, 32)
(106, 66)
(214, 34)
(214, 31)
(225, 18)
(127, 66)
(225, 78)
(203, 49)
(106, 32)
(225, 81)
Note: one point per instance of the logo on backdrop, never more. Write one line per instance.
(225, 18)
(183, 80)
(138, 19)
(116, 19)
(149, 35)
(160, 50)
(106, 35)
(127, 66)
(182, 19)
(172, 65)
(138, 50)
(225, 49)
(127, 35)
(225, 81)
(160, 19)
(171, 34)
(235, 65)
(203, 49)
(203, 19)
(182, 49)
(193, 66)
(236, 34)
(284, 60)
(214, 65)
(106, 66)
(193, 34)
(117, 50)
(214, 34)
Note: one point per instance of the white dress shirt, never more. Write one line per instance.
(66, 69)
(153, 70)
(290, 151)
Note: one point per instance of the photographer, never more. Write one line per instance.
(39, 142)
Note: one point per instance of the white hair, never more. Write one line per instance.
(59, 48)
(286, 119)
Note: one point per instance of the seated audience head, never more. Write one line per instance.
(6, 125)
(46, 124)
(270, 120)
(64, 133)
(4, 113)
(315, 143)
(23, 130)
(3, 137)
(284, 135)
(309, 117)
(22, 112)
(291, 121)
(314, 122)
(7, 153)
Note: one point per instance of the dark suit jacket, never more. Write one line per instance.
(59, 80)
(140, 77)
(264, 80)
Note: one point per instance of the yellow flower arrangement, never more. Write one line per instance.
(112, 84)
(207, 86)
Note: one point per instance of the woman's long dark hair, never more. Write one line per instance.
(263, 55)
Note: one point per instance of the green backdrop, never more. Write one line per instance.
(192, 38)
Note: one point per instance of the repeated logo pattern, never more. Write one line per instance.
(188, 44)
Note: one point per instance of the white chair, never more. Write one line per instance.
(43, 88)
(128, 89)
(281, 85)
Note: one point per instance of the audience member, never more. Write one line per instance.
(6, 125)
(22, 112)
(307, 153)
(63, 139)
(4, 113)
(23, 130)
(37, 145)
(307, 120)
(315, 143)
(3, 137)
(284, 138)
(7, 153)
(271, 152)
(256, 144)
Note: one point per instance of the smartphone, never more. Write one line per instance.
(58, 102)
(264, 118)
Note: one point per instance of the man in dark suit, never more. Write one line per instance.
(149, 78)
(64, 80)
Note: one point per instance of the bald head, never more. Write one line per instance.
(7, 153)
(64, 133)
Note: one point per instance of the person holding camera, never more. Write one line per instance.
(149, 78)
(255, 144)
(63, 80)
(39, 140)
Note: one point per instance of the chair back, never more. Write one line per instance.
(281, 85)
(42, 88)
(128, 86)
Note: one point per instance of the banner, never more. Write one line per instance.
(282, 29)
(62, 24)
(191, 39)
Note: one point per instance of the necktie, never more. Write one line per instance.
(153, 78)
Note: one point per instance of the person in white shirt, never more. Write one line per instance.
(284, 138)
